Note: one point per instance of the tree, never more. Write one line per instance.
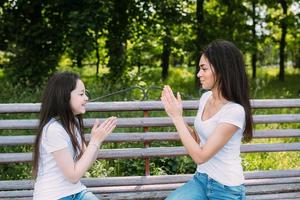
(117, 38)
(86, 22)
(200, 39)
(34, 39)
(168, 15)
(283, 25)
(254, 38)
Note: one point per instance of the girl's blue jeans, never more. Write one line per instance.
(83, 195)
(202, 187)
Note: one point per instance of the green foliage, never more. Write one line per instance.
(123, 34)
(127, 40)
(181, 80)
(34, 40)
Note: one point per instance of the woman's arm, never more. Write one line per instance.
(193, 133)
(200, 154)
(74, 170)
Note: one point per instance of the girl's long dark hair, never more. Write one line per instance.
(56, 104)
(230, 72)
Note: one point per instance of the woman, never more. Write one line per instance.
(61, 155)
(223, 120)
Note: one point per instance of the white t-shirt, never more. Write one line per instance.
(51, 183)
(225, 166)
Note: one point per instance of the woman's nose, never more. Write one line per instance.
(199, 74)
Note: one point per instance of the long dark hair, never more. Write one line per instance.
(56, 104)
(229, 68)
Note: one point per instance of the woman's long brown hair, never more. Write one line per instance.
(229, 67)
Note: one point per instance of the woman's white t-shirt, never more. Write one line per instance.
(225, 166)
(51, 183)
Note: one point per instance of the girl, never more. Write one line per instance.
(223, 119)
(61, 156)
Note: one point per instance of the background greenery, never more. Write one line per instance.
(37, 37)
(120, 44)
(265, 86)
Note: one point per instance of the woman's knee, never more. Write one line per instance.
(87, 195)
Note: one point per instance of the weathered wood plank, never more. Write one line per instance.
(251, 178)
(156, 152)
(272, 174)
(272, 189)
(145, 105)
(153, 195)
(115, 137)
(281, 196)
(149, 136)
(160, 195)
(147, 121)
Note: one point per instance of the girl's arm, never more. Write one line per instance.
(200, 154)
(74, 170)
(84, 148)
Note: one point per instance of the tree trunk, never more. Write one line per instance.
(79, 61)
(282, 40)
(97, 50)
(166, 55)
(254, 43)
(117, 37)
(199, 39)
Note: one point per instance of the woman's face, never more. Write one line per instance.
(78, 98)
(206, 74)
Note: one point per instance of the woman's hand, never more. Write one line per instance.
(101, 131)
(173, 105)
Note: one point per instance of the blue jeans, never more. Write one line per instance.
(202, 187)
(83, 195)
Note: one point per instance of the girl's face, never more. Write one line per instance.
(206, 74)
(78, 98)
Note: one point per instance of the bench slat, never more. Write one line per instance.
(149, 136)
(252, 178)
(282, 196)
(251, 190)
(145, 105)
(156, 152)
(147, 121)
(161, 195)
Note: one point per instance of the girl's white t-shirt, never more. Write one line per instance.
(51, 183)
(225, 166)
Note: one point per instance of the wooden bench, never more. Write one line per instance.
(270, 184)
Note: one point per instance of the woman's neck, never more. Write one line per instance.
(217, 98)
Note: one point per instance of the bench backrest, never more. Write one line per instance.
(143, 118)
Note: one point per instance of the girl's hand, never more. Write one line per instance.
(173, 105)
(100, 131)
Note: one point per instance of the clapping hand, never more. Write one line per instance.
(101, 131)
(172, 105)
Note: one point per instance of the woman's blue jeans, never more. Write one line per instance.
(83, 195)
(202, 187)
